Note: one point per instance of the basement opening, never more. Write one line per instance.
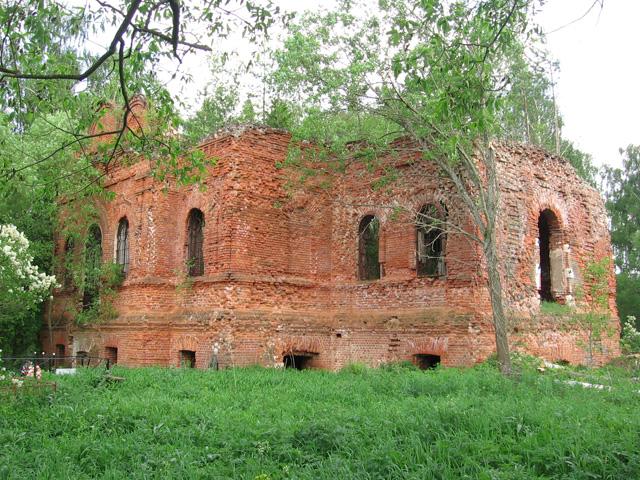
(60, 353)
(187, 358)
(82, 358)
(426, 361)
(111, 354)
(298, 360)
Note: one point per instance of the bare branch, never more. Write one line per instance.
(117, 38)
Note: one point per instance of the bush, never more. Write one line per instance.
(355, 368)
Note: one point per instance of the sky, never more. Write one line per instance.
(598, 88)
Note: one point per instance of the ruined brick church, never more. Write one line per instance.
(250, 271)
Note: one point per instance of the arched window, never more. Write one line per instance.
(368, 248)
(430, 238)
(122, 245)
(92, 264)
(550, 243)
(195, 256)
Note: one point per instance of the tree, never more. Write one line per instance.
(56, 82)
(622, 191)
(45, 64)
(431, 72)
(29, 199)
(216, 111)
(529, 112)
(22, 286)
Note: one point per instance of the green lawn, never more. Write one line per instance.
(359, 423)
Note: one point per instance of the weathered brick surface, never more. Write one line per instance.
(281, 265)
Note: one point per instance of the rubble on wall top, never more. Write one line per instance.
(236, 130)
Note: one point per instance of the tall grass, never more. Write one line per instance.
(273, 424)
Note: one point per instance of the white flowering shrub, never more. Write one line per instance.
(22, 286)
(18, 275)
(630, 336)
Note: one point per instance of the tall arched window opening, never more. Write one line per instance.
(430, 241)
(92, 264)
(195, 256)
(368, 248)
(550, 245)
(122, 245)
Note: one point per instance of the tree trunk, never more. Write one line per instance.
(494, 283)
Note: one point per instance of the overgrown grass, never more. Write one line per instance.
(392, 423)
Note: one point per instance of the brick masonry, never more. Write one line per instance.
(281, 264)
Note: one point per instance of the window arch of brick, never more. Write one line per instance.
(430, 241)
(92, 265)
(195, 241)
(369, 248)
(122, 245)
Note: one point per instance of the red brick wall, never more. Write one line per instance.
(281, 264)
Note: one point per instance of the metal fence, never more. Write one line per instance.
(52, 362)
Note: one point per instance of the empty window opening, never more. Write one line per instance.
(195, 256)
(111, 354)
(368, 248)
(550, 244)
(92, 266)
(298, 360)
(430, 238)
(426, 361)
(122, 245)
(187, 358)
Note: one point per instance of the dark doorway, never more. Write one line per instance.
(548, 232)
(298, 361)
(426, 361)
(187, 359)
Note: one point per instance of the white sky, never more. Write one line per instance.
(598, 89)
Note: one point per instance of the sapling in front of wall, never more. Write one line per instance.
(594, 318)
(109, 277)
